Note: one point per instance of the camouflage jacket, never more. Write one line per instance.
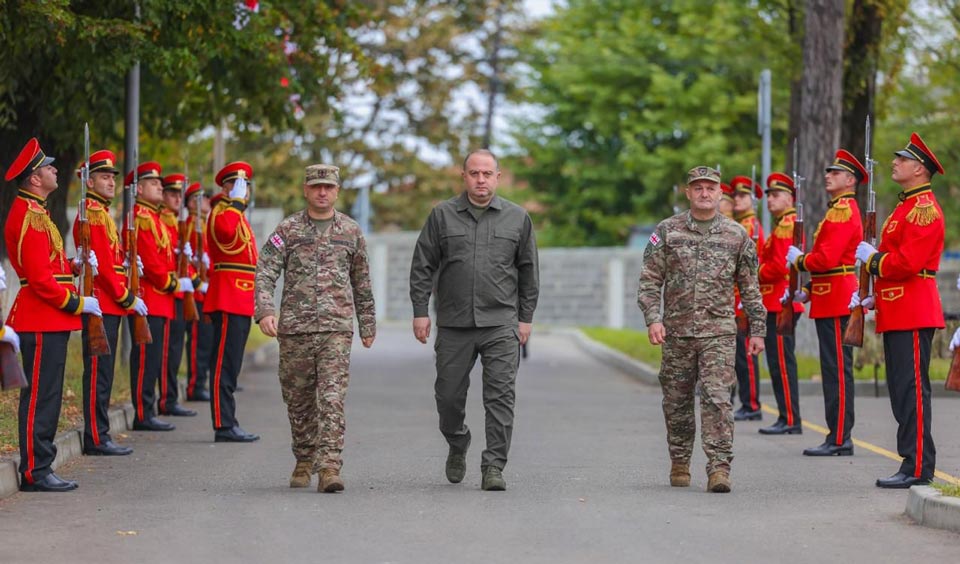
(326, 277)
(695, 273)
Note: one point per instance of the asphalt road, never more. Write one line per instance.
(587, 482)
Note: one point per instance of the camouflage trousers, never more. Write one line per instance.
(707, 365)
(314, 370)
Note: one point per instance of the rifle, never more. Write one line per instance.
(96, 343)
(853, 335)
(786, 319)
(11, 372)
(141, 330)
(183, 263)
(198, 230)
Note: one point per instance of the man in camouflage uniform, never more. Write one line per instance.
(693, 262)
(323, 258)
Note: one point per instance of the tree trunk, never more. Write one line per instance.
(821, 103)
(860, 78)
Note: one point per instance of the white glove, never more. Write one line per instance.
(126, 265)
(239, 190)
(91, 305)
(867, 303)
(206, 263)
(3, 279)
(801, 296)
(739, 306)
(954, 342)
(792, 254)
(786, 294)
(864, 250)
(139, 307)
(204, 287)
(10, 336)
(184, 284)
(91, 258)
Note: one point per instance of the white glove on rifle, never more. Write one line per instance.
(801, 296)
(239, 190)
(3, 279)
(140, 307)
(90, 305)
(184, 284)
(188, 250)
(793, 253)
(126, 265)
(864, 250)
(206, 263)
(955, 341)
(867, 303)
(91, 258)
(10, 336)
(204, 286)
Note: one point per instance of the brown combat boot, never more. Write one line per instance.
(679, 474)
(330, 481)
(719, 482)
(301, 475)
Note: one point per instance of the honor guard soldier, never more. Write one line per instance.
(175, 328)
(744, 190)
(199, 332)
(774, 280)
(230, 298)
(908, 306)
(47, 308)
(158, 285)
(116, 301)
(832, 278)
(726, 200)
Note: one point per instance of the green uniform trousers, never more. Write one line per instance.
(707, 364)
(499, 351)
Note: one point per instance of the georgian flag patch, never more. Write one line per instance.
(276, 241)
(655, 239)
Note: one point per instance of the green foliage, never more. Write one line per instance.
(635, 94)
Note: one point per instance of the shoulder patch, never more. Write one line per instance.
(655, 239)
(277, 241)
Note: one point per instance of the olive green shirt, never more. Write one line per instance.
(485, 265)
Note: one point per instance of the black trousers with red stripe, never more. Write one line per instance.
(174, 333)
(199, 347)
(44, 358)
(748, 375)
(907, 360)
(98, 385)
(836, 376)
(230, 333)
(146, 364)
(783, 370)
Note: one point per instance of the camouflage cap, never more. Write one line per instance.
(322, 174)
(703, 173)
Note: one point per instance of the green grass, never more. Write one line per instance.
(947, 489)
(635, 344)
(71, 414)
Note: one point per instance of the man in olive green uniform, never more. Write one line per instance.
(693, 262)
(322, 256)
(483, 253)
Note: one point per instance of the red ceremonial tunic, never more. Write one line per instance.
(110, 284)
(831, 262)
(774, 274)
(155, 249)
(47, 300)
(233, 258)
(906, 263)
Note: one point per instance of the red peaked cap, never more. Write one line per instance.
(846, 161)
(146, 170)
(727, 190)
(31, 158)
(191, 190)
(777, 181)
(742, 184)
(101, 161)
(174, 182)
(232, 171)
(918, 151)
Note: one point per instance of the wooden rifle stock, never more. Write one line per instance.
(141, 329)
(183, 271)
(853, 335)
(96, 343)
(786, 319)
(953, 377)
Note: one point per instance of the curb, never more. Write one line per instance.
(930, 508)
(70, 443)
(648, 374)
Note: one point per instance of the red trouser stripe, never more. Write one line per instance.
(842, 409)
(192, 384)
(143, 363)
(785, 381)
(754, 404)
(163, 365)
(918, 461)
(95, 432)
(32, 410)
(216, 379)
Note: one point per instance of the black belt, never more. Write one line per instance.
(60, 278)
(234, 267)
(845, 269)
(927, 273)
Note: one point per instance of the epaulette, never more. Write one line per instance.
(168, 219)
(94, 206)
(37, 219)
(98, 216)
(924, 212)
(840, 211)
(784, 229)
